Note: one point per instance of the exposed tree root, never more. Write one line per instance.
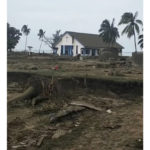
(38, 90)
(27, 94)
(38, 99)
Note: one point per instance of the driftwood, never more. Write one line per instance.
(38, 99)
(78, 106)
(84, 104)
(65, 112)
(18, 146)
(27, 94)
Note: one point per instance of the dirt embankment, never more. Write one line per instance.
(118, 124)
(64, 85)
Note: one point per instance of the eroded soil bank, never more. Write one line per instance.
(118, 126)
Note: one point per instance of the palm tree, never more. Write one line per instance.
(132, 27)
(108, 32)
(41, 36)
(26, 32)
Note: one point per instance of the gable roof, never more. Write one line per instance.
(91, 40)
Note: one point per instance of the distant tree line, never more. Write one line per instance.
(108, 32)
(13, 37)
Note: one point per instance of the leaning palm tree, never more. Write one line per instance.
(108, 32)
(26, 32)
(41, 36)
(132, 27)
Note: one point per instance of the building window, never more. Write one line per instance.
(87, 51)
(61, 49)
(77, 49)
(82, 51)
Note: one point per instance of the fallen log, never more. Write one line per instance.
(27, 94)
(62, 113)
(84, 104)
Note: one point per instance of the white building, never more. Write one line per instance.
(73, 43)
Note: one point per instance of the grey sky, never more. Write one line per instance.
(69, 15)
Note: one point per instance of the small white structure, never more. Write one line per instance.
(73, 43)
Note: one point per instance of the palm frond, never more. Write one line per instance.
(25, 29)
(130, 31)
(108, 32)
(41, 33)
(113, 22)
(125, 30)
(137, 28)
(135, 15)
(141, 36)
(140, 42)
(139, 22)
(126, 18)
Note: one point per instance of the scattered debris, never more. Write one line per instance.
(17, 123)
(52, 128)
(38, 99)
(69, 123)
(41, 140)
(84, 104)
(65, 112)
(79, 106)
(31, 142)
(18, 146)
(28, 93)
(59, 133)
(113, 127)
(109, 111)
(77, 124)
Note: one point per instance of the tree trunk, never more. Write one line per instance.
(135, 40)
(28, 93)
(26, 43)
(40, 46)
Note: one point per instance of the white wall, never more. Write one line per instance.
(67, 40)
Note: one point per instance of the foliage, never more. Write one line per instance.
(131, 22)
(26, 32)
(41, 35)
(13, 37)
(108, 32)
(53, 40)
(140, 42)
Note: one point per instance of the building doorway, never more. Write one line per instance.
(93, 52)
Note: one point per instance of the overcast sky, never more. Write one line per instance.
(69, 15)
